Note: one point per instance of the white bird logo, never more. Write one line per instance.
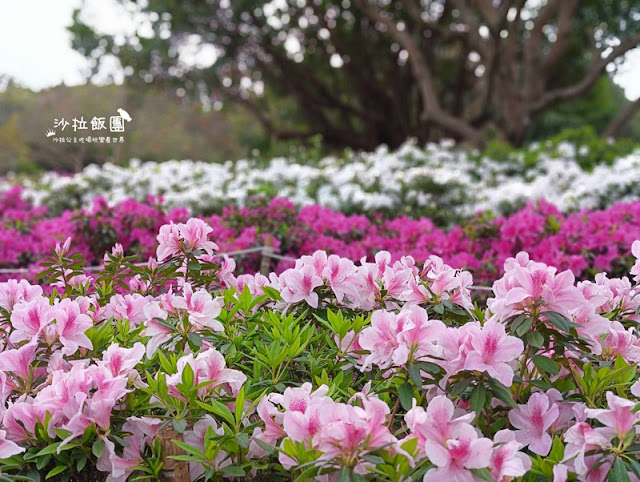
(124, 114)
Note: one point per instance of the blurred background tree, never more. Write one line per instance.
(366, 72)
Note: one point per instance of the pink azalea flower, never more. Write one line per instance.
(169, 241)
(7, 447)
(299, 284)
(457, 456)
(119, 468)
(159, 333)
(20, 419)
(456, 345)
(318, 261)
(127, 307)
(195, 234)
(419, 336)
(560, 473)
(202, 308)
(533, 420)
(18, 361)
(13, 292)
(618, 418)
(507, 461)
(225, 275)
(340, 274)
(301, 420)
(142, 428)
(71, 326)
(437, 423)
(381, 339)
(346, 432)
(526, 284)
(121, 361)
(582, 438)
(63, 249)
(493, 350)
(272, 431)
(209, 366)
(29, 319)
(623, 343)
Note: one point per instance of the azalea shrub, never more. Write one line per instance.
(330, 370)
(586, 242)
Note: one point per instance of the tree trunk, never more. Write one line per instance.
(621, 119)
(173, 470)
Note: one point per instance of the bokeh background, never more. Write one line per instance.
(225, 79)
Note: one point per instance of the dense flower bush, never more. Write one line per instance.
(440, 181)
(331, 370)
(586, 242)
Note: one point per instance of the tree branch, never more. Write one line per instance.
(431, 106)
(282, 134)
(598, 66)
(621, 119)
(559, 48)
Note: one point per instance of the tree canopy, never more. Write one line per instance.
(365, 72)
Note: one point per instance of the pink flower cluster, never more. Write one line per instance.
(411, 378)
(343, 433)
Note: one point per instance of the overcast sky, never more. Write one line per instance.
(35, 48)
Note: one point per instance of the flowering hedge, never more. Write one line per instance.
(440, 181)
(586, 242)
(330, 370)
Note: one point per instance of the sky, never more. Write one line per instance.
(35, 48)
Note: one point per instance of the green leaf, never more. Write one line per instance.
(405, 392)
(56, 470)
(557, 450)
(98, 447)
(272, 293)
(265, 446)
(344, 475)
(374, 459)
(49, 449)
(535, 339)
(219, 409)
(188, 377)
(635, 467)
(483, 474)
(179, 425)
(194, 266)
(429, 367)
(243, 440)
(557, 320)
(545, 364)
(234, 471)
(619, 472)
(195, 339)
(414, 374)
(502, 393)
(478, 398)
(239, 406)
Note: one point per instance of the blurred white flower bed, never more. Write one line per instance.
(408, 180)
